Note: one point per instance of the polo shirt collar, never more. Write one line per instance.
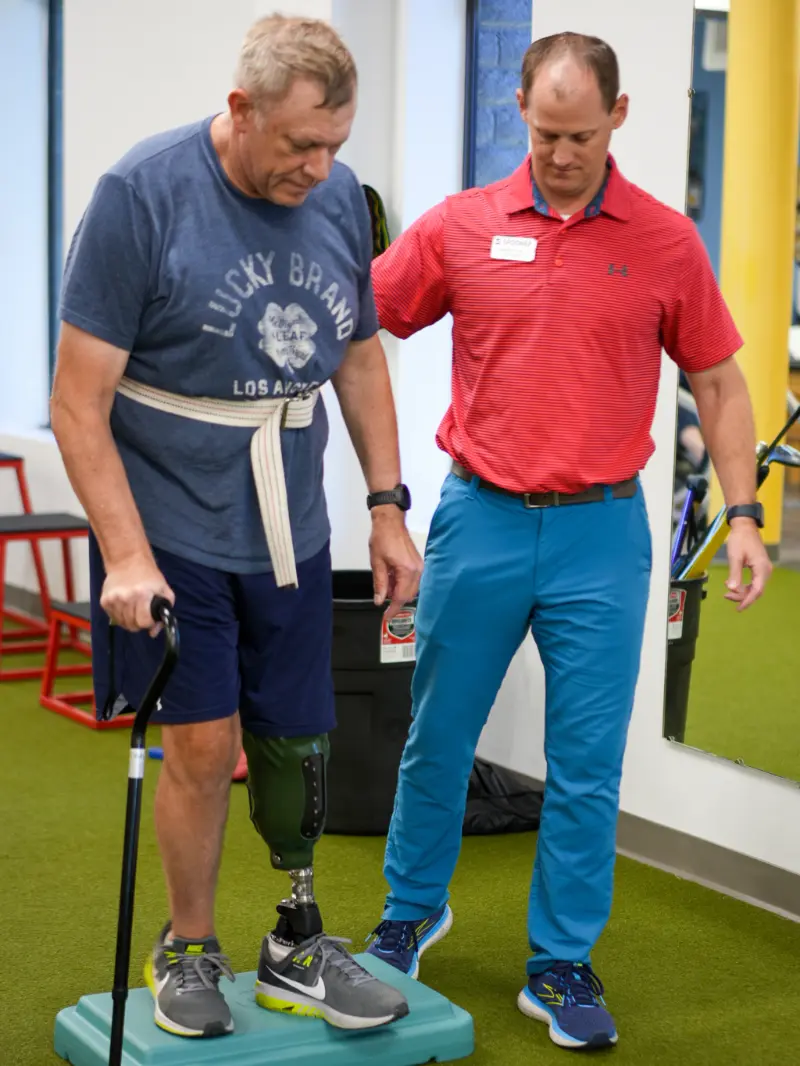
(614, 198)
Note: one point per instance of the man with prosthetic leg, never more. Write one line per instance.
(218, 278)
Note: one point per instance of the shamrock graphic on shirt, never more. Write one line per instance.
(286, 334)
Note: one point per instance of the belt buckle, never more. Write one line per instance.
(531, 506)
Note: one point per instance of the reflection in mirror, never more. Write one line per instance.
(731, 677)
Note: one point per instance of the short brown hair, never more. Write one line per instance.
(277, 50)
(591, 52)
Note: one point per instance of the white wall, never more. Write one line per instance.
(406, 143)
(429, 168)
(23, 263)
(370, 151)
(686, 790)
(135, 67)
(23, 213)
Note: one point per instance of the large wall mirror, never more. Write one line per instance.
(737, 698)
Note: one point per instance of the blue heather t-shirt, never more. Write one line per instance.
(215, 293)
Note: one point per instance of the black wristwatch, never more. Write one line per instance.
(747, 510)
(398, 495)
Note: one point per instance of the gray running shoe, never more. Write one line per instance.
(183, 976)
(321, 979)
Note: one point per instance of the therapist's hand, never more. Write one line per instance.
(746, 551)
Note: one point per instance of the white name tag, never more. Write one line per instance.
(519, 249)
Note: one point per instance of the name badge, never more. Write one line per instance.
(517, 249)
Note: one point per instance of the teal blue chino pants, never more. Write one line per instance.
(578, 578)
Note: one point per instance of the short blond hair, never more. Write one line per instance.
(277, 50)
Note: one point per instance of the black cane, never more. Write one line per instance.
(161, 610)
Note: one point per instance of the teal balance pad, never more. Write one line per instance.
(434, 1030)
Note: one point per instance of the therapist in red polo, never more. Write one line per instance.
(564, 282)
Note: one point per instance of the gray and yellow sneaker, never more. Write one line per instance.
(183, 976)
(319, 978)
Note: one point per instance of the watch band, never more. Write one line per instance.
(747, 510)
(389, 496)
(399, 495)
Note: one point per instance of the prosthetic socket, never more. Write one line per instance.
(286, 786)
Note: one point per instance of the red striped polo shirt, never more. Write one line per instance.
(557, 337)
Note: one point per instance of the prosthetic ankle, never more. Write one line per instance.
(286, 786)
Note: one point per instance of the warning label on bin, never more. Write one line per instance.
(399, 637)
(677, 604)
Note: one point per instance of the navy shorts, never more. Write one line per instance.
(245, 645)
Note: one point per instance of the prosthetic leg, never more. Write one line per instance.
(286, 785)
(301, 970)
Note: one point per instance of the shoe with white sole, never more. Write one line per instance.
(402, 943)
(568, 997)
(319, 978)
(183, 976)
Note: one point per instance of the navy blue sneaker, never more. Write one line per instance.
(401, 943)
(569, 997)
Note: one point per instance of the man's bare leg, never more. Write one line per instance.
(191, 808)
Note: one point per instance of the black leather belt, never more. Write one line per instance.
(594, 494)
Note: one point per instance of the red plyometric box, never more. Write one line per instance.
(32, 636)
(399, 637)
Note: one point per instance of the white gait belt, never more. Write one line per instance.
(269, 416)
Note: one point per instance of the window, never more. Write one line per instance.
(55, 186)
(495, 137)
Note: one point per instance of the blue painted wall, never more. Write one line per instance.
(712, 84)
(501, 139)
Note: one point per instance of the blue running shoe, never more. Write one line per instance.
(401, 943)
(569, 997)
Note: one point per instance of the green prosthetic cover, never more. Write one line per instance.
(286, 783)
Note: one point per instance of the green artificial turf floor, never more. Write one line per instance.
(744, 690)
(694, 978)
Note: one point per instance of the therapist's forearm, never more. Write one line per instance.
(726, 420)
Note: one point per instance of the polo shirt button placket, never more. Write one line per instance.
(559, 259)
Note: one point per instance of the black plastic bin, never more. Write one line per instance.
(372, 668)
(685, 598)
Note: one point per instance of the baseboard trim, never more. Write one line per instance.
(692, 859)
(728, 872)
